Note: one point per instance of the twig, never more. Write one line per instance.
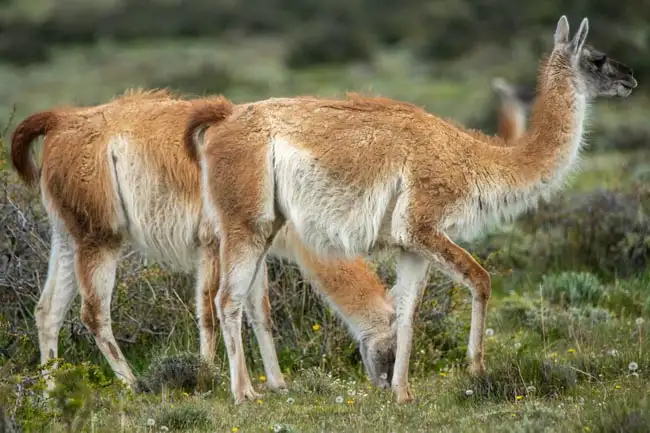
(11, 118)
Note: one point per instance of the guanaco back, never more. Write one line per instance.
(118, 173)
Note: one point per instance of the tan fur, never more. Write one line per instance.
(512, 110)
(119, 172)
(360, 174)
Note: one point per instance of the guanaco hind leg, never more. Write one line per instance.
(95, 268)
(57, 296)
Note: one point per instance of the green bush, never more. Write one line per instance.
(605, 232)
(183, 371)
(575, 288)
(183, 418)
(328, 42)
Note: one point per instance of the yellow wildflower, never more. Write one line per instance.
(316, 327)
(518, 397)
(262, 378)
(572, 350)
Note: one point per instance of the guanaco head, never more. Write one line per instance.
(596, 74)
(378, 353)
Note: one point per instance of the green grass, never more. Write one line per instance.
(536, 382)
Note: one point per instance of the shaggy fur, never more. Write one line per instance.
(361, 174)
(118, 172)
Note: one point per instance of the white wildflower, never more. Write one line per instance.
(639, 321)
(633, 366)
(277, 428)
(351, 392)
(469, 393)
(489, 332)
(164, 428)
(151, 422)
(339, 399)
(613, 352)
(517, 345)
(383, 376)
(290, 400)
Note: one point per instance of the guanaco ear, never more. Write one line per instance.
(562, 31)
(579, 39)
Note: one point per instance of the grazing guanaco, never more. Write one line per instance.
(159, 191)
(118, 172)
(514, 103)
(362, 174)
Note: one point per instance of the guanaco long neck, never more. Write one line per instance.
(545, 153)
(552, 144)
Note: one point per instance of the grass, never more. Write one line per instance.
(535, 383)
(558, 359)
(561, 359)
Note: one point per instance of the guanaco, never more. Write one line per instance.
(139, 187)
(118, 172)
(514, 104)
(363, 174)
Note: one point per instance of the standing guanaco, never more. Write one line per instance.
(361, 174)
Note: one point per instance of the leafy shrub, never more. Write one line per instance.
(523, 375)
(184, 418)
(605, 232)
(72, 396)
(183, 371)
(591, 315)
(629, 298)
(575, 288)
(314, 381)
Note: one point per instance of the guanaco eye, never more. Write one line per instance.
(600, 61)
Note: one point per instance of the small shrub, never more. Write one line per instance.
(184, 371)
(606, 232)
(575, 288)
(591, 315)
(314, 381)
(184, 418)
(521, 376)
(514, 310)
(629, 415)
(72, 395)
(629, 298)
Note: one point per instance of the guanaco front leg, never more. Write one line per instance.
(411, 273)
(461, 266)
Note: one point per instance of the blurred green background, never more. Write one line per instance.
(440, 54)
